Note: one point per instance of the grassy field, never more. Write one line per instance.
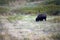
(24, 27)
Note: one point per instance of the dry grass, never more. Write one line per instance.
(55, 36)
(7, 37)
(55, 20)
(1, 37)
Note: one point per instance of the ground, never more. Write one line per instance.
(28, 29)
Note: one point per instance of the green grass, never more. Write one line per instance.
(14, 18)
(21, 17)
(4, 10)
(49, 9)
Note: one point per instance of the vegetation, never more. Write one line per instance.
(4, 10)
(54, 6)
(26, 39)
(35, 29)
(50, 7)
(55, 2)
(55, 20)
(5, 2)
(2, 2)
(1, 37)
(56, 36)
(14, 18)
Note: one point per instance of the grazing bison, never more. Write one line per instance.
(41, 17)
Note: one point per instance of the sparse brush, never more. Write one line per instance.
(55, 20)
(1, 37)
(14, 18)
(56, 36)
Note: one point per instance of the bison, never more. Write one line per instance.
(41, 17)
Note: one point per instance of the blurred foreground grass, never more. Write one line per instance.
(52, 36)
(56, 36)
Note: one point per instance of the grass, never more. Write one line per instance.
(14, 18)
(56, 36)
(4, 10)
(26, 39)
(32, 17)
(21, 17)
(1, 37)
(41, 37)
(55, 20)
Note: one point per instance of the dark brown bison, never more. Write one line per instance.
(41, 17)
